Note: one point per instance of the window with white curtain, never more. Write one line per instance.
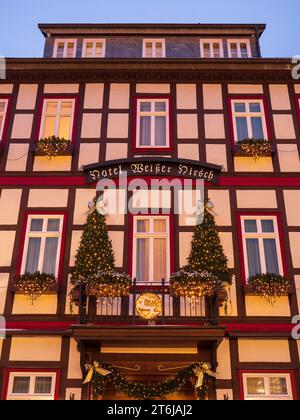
(65, 48)
(249, 120)
(42, 244)
(57, 118)
(154, 48)
(3, 111)
(31, 386)
(152, 123)
(93, 48)
(262, 386)
(151, 249)
(239, 48)
(262, 253)
(211, 48)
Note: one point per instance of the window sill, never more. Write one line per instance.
(237, 151)
(152, 151)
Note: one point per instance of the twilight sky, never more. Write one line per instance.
(20, 37)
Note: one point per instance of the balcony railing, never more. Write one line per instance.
(201, 311)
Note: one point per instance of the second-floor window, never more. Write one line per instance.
(42, 244)
(211, 48)
(153, 123)
(57, 118)
(3, 112)
(154, 48)
(93, 48)
(65, 48)
(31, 386)
(151, 249)
(261, 243)
(249, 120)
(239, 48)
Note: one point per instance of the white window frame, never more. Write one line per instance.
(153, 114)
(4, 117)
(58, 115)
(154, 41)
(211, 42)
(151, 236)
(94, 41)
(268, 396)
(248, 115)
(65, 41)
(239, 42)
(261, 236)
(43, 235)
(31, 395)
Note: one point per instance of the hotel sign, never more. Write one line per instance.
(152, 167)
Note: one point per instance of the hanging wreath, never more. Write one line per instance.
(255, 148)
(100, 374)
(35, 285)
(269, 286)
(108, 284)
(53, 146)
(189, 283)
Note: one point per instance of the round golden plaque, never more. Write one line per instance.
(149, 306)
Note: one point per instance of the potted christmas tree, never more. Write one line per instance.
(207, 272)
(95, 262)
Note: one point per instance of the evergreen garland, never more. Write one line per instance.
(147, 392)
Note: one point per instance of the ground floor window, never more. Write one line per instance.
(267, 386)
(31, 385)
(151, 248)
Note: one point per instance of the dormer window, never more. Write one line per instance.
(239, 48)
(154, 48)
(211, 48)
(93, 48)
(65, 48)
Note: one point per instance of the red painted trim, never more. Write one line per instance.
(6, 119)
(55, 97)
(33, 370)
(266, 371)
(79, 181)
(248, 97)
(63, 239)
(130, 238)
(258, 328)
(136, 149)
(240, 239)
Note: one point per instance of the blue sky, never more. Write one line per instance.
(20, 37)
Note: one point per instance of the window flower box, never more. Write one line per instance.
(52, 147)
(254, 148)
(268, 286)
(110, 285)
(34, 285)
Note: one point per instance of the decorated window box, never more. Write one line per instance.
(268, 286)
(34, 285)
(254, 148)
(51, 147)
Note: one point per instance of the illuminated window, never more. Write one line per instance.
(260, 386)
(154, 48)
(65, 48)
(211, 48)
(57, 118)
(93, 48)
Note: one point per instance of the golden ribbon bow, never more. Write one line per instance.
(95, 367)
(200, 371)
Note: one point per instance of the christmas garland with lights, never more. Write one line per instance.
(34, 285)
(100, 375)
(269, 286)
(111, 285)
(52, 146)
(255, 148)
(189, 283)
